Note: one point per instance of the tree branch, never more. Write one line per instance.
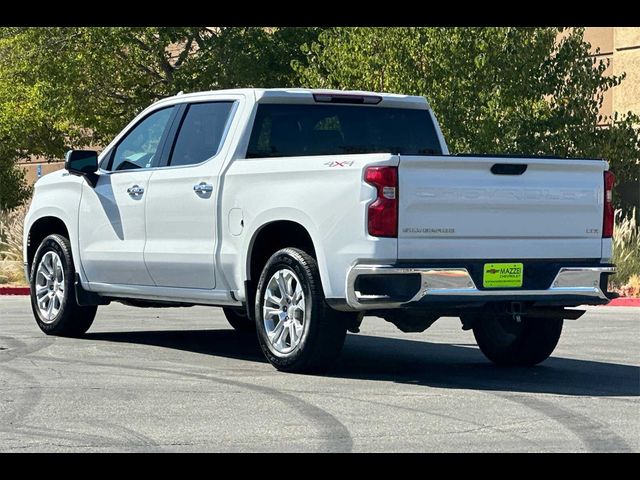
(185, 53)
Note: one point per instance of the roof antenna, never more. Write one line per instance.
(181, 92)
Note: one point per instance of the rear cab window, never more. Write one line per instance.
(292, 130)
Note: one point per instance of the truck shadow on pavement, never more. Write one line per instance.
(416, 362)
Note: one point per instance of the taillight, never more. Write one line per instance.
(607, 221)
(383, 212)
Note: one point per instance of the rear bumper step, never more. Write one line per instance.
(573, 284)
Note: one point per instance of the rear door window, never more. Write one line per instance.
(201, 133)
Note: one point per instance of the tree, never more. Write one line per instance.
(495, 90)
(96, 78)
(13, 189)
(70, 87)
(530, 91)
(22, 127)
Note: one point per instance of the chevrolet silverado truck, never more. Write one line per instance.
(301, 211)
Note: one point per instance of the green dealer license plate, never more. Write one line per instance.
(500, 275)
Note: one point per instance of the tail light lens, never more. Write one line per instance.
(383, 212)
(607, 222)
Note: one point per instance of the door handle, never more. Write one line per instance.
(135, 191)
(203, 187)
(509, 168)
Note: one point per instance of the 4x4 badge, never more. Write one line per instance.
(346, 163)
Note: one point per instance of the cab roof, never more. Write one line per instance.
(312, 96)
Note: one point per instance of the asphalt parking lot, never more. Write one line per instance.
(182, 380)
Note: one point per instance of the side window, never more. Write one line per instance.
(140, 146)
(200, 135)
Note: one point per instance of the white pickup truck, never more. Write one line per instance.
(300, 211)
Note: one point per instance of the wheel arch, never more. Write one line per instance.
(273, 236)
(41, 228)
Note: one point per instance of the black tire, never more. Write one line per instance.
(323, 330)
(238, 319)
(507, 342)
(71, 320)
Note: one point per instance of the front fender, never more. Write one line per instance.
(56, 195)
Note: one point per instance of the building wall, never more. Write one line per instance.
(31, 169)
(621, 47)
(626, 59)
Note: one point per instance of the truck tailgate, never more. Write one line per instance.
(455, 207)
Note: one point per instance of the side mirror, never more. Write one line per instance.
(83, 163)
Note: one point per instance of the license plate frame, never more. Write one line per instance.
(502, 275)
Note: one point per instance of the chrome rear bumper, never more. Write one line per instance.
(456, 283)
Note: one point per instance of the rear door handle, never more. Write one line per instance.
(203, 188)
(135, 191)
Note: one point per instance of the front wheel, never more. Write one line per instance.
(53, 299)
(528, 342)
(297, 330)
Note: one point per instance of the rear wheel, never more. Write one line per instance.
(239, 320)
(505, 341)
(297, 330)
(53, 299)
